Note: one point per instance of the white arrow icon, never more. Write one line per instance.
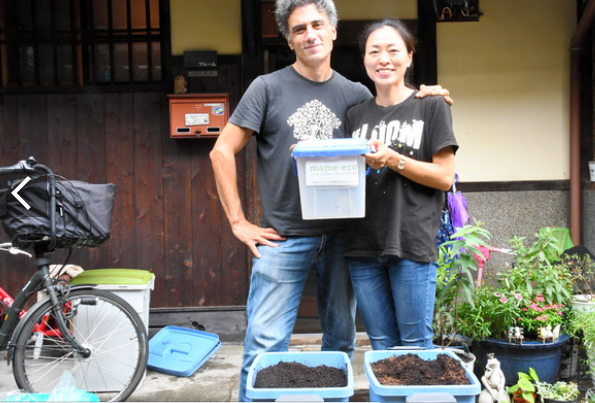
(16, 191)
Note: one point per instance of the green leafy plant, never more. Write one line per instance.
(455, 277)
(564, 391)
(531, 293)
(589, 396)
(525, 386)
(583, 275)
(581, 324)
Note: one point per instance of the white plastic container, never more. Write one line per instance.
(134, 286)
(332, 178)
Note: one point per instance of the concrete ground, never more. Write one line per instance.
(217, 380)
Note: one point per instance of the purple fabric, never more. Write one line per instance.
(457, 206)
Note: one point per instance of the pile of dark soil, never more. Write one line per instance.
(295, 375)
(410, 369)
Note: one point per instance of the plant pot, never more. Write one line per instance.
(583, 302)
(517, 397)
(558, 401)
(586, 303)
(515, 358)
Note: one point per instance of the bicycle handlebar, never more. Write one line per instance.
(22, 167)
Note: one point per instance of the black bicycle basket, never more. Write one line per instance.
(83, 213)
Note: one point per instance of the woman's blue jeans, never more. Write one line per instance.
(278, 279)
(395, 298)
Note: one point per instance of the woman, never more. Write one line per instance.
(392, 252)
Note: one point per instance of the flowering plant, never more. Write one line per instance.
(531, 293)
(540, 314)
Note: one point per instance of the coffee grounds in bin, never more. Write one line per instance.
(286, 375)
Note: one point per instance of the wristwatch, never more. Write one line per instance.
(401, 164)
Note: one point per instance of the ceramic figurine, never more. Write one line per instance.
(494, 383)
(180, 85)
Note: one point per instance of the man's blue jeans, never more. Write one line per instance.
(278, 279)
(395, 298)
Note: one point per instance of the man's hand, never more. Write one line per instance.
(253, 235)
(434, 90)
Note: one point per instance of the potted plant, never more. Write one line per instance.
(557, 392)
(589, 396)
(581, 318)
(506, 313)
(581, 324)
(524, 390)
(455, 279)
(583, 273)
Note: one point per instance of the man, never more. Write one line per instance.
(305, 100)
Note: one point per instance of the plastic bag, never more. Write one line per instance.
(65, 391)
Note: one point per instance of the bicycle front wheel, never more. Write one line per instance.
(100, 321)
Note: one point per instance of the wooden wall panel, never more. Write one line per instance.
(120, 171)
(206, 228)
(147, 182)
(90, 157)
(167, 216)
(61, 134)
(179, 266)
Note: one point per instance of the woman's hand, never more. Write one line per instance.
(379, 157)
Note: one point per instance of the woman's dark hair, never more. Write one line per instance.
(394, 23)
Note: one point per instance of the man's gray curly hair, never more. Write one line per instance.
(285, 7)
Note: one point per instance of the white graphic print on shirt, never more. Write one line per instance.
(394, 133)
(314, 119)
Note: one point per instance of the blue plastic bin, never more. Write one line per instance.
(335, 359)
(385, 393)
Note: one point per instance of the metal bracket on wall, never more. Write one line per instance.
(456, 10)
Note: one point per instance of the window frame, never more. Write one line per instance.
(83, 44)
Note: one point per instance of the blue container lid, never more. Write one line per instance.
(181, 351)
(330, 147)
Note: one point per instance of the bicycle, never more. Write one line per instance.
(93, 334)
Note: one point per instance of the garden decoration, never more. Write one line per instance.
(546, 333)
(515, 334)
(494, 383)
